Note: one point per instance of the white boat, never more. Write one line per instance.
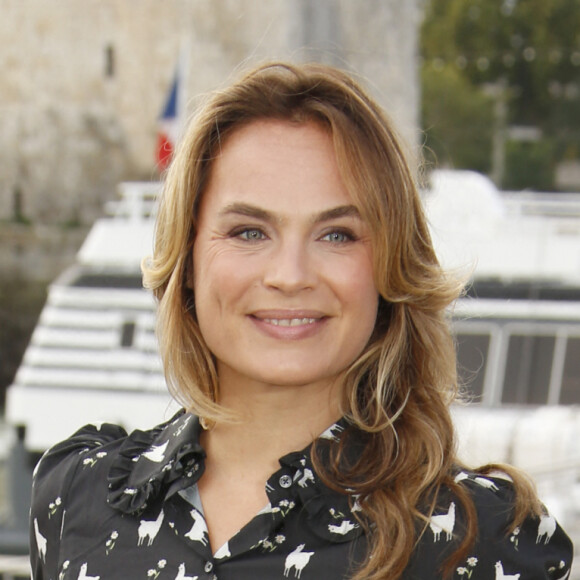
(93, 354)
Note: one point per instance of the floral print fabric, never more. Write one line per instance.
(107, 505)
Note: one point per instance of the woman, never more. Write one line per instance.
(302, 326)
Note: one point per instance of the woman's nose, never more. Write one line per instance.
(290, 268)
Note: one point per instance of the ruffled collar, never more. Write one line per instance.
(154, 465)
(158, 462)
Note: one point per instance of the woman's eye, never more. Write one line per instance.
(251, 235)
(338, 237)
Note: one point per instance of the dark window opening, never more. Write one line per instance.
(127, 334)
(528, 369)
(570, 391)
(472, 352)
(109, 61)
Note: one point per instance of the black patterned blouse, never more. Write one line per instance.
(111, 506)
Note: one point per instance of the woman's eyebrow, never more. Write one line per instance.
(249, 210)
(338, 212)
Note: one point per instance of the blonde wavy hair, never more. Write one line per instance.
(399, 389)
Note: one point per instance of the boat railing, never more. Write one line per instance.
(137, 201)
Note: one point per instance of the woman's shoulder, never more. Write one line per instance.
(102, 473)
(86, 446)
(127, 469)
(536, 548)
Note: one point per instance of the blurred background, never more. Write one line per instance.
(93, 96)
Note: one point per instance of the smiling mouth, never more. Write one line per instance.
(290, 321)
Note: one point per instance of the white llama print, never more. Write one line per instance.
(499, 573)
(306, 477)
(156, 453)
(149, 529)
(345, 527)
(332, 433)
(297, 560)
(181, 573)
(198, 531)
(40, 541)
(443, 522)
(546, 529)
(484, 482)
(223, 552)
(83, 574)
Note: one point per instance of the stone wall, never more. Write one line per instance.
(84, 80)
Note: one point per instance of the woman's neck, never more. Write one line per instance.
(275, 420)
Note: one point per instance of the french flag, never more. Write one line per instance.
(168, 126)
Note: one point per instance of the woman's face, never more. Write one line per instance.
(283, 277)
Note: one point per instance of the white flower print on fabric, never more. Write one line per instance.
(63, 570)
(270, 545)
(514, 538)
(297, 559)
(53, 506)
(91, 461)
(83, 573)
(154, 572)
(172, 526)
(181, 573)
(337, 515)
(40, 541)
(467, 571)
(501, 575)
(110, 543)
(149, 529)
(562, 568)
(546, 528)
(284, 506)
(198, 532)
(443, 522)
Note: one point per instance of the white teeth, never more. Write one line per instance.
(290, 321)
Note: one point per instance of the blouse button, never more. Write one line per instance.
(285, 481)
(208, 567)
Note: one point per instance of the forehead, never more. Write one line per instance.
(277, 163)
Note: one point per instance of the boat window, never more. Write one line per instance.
(528, 369)
(127, 334)
(472, 351)
(570, 390)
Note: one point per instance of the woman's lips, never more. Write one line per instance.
(289, 326)
(290, 321)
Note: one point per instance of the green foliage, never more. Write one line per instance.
(533, 46)
(529, 166)
(457, 120)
